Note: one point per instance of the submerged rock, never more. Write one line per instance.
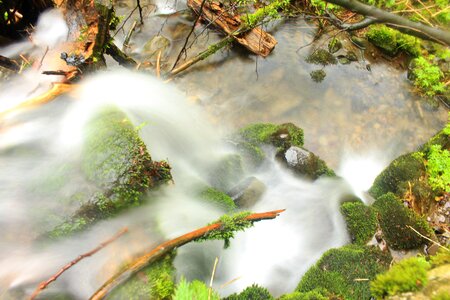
(155, 45)
(321, 57)
(248, 192)
(318, 75)
(304, 162)
(334, 45)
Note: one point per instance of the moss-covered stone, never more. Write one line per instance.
(252, 137)
(253, 292)
(339, 271)
(409, 275)
(395, 219)
(153, 282)
(218, 198)
(304, 163)
(117, 166)
(316, 294)
(395, 177)
(361, 221)
(321, 57)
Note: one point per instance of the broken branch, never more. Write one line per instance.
(44, 284)
(166, 247)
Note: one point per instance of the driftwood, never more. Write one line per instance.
(255, 40)
(167, 247)
(9, 64)
(395, 21)
(43, 285)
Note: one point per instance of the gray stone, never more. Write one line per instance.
(247, 193)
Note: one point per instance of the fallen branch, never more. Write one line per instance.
(9, 64)
(202, 55)
(169, 246)
(119, 56)
(397, 22)
(350, 26)
(44, 284)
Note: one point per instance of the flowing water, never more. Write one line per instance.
(356, 120)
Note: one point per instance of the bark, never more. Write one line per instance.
(397, 22)
(255, 40)
(9, 64)
(167, 247)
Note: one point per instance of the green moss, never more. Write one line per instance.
(117, 166)
(153, 282)
(253, 292)
(442, 257)
(253, 136)
(317, 294)
(195, 290)
(409, 275)
(427, 76)
(391, 41)
(321, 57)
(395, 177)
(267, 12)
(339, 271)
(438, 168)
(229, 226)
(361, 221)
(394, 219)
(219, 198)
(441, 296)
(318, 75)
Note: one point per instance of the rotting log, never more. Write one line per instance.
(166, 247)
(255, 40)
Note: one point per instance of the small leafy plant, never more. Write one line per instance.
(427, 77)
(438, 168)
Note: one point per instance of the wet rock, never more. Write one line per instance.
(321, 57)
(343, 60)
(334, 45)
(248, 192)
(304, 163)
(351, 56)
(227, 172)
(359, 42)
(155, 45)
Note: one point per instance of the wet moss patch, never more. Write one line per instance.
(361, 221)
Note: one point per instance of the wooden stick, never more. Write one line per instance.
(166, 247)
(216, 261)
(427, 238)
(44, 284)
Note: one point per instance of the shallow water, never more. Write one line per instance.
(356, 120)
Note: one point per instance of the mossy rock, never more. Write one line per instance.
(218, 198)
(116, 163)
(253, 292)
(153, 282)
(304, 163)
(395, 177)
(252, 137)
(394, 219)
(317, 294)
(409, 275)
(361, 221)
(321, 57)
(338, 271)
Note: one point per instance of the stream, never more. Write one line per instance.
(356, 120)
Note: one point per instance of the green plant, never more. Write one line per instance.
(253, 292)
(217, 197)
(409, 275)
(446, 129)
(427, 77)
(321, 57)
(361, 221)
(438, 168)
(338, 271)
(229, 226)
(395, 220)
(195, 290)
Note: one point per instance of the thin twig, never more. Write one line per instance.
(140, 11)
(427, 238)
(212, 278)
(158, 65)
(44, 284)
